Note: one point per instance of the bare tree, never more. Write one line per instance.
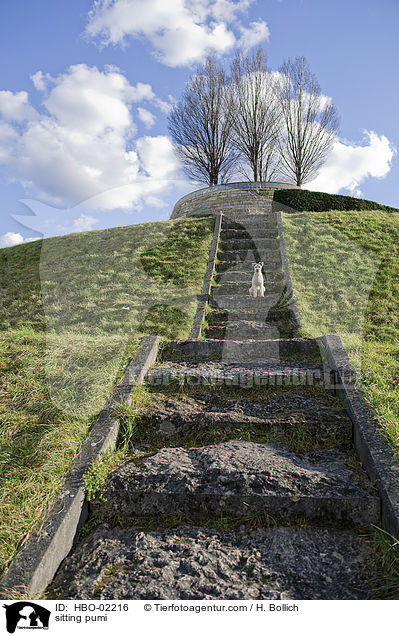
(200, 126)
(309, 122)
(255, 114)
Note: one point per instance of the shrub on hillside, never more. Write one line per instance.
(306, 200)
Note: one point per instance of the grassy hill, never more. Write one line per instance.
(345, 270)
(73, 310)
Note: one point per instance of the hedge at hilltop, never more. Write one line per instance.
(306, 200)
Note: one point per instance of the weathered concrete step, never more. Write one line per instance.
(246, 275)
(234, 220)
(254, 325)
(237, 477)
(234, 301)
(251, 231)
(240, 220)
(245, 265)
(266, 255)
(244, 206)
(252, 234)
(242, 288)
(189, 562)
(249, 244)
(237, 334)
(290, 415)
(284, 373)
(260, 229)
(250, 219)
(243, 209)
(219, 317)
(206, 349)
(247, 331)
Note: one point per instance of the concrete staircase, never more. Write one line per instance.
(234, 315)
(243, 481)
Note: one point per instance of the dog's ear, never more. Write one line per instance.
(261, 263)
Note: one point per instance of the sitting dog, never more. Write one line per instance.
(257, 287)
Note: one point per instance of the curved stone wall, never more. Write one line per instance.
(247, 197)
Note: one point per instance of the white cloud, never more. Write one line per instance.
(155, 202)
(84, 223)
(146, 117)
(140, 91)
(157, 156)
(165, 107)
(348, 165)
(15, 106)
(190, 43)
(227, 10)
(181, 31)
(9, 239)
(41, 80)
(253, 35)
(85, 99)
(324, 101)
(8, 137)
(81, 146)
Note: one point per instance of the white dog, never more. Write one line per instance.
(257, 287)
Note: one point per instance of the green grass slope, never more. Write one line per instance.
(345, 270)
(73, 310)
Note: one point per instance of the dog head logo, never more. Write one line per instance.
(26, 615)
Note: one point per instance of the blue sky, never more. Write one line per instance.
(85, 90)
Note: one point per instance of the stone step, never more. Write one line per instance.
(243, 209)
(254, 325)
(245, 265)
(249, 244)
(207, 349)
(268, 256)
(241, 288)
(246, 276)
(250, 230)
(232, 301)
(244, 375)
(254, 229)
(254, 218)
(218, 317)
(189, 562)
(217, 411)
(237, 334)
(261, 221)
(244, 205)
(237, 477)
(243, 233)
(237, 219)
(242, 334)
(242, 213)
(224, 319)
(247, 331)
